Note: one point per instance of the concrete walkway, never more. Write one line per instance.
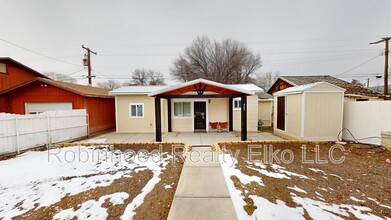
(202, 192)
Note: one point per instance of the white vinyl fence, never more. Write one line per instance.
(367, 119)
(21, 132)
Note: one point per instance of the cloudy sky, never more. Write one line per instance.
(294, 37)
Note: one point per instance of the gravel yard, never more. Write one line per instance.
(94, 182)
(357, 188)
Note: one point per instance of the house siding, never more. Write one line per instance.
(219, 110)
(139, 125)
(38, 93)
(15, 75)
(100, 110)
(101, 113)
(252, 115)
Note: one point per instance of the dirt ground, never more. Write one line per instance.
(364, 174)
(156, 204)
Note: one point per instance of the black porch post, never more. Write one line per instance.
(231, 114)
(244, 117)
(158, 120)
(169, 115)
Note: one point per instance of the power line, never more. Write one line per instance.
(358, 66)
(69, 74)
(39, 53)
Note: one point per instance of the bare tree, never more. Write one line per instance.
(266, 80)
(156, 78)
(60, 77)
(140, 77)
(109, 84)
(143, 77)
(358, 83)
(229, 62)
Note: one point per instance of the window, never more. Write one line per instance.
(237, 104)
(3, 68)
(361, 100)
(136, 110)
(182, 109)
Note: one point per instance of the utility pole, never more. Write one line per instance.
(368, 83)
(386, 40)
(89, 63)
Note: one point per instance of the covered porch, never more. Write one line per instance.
(197, 96)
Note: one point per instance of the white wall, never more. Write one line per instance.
(366, 119)
(22, 132)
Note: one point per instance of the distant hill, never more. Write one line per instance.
(380, 88)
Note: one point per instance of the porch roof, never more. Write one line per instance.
(202, 85)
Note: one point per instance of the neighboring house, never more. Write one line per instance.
(187, 107)
(13, 73)
(41, 95)
(309, 112)
(26, 91)
(353, 92)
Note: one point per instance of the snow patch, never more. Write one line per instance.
(297, 189)
(92, 209)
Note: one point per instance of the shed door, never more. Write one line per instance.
(39, 107)
(281, 113)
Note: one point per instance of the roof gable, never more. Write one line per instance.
(201, 84)
(351, 89)
(8, 59)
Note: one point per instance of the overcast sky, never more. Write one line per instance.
(294, 37)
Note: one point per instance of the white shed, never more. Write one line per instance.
(309, 112)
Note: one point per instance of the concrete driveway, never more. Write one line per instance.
(187, 137)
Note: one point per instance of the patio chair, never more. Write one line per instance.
(213, 126)
(223, 126)
(260, 124)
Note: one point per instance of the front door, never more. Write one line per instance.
(199, 115)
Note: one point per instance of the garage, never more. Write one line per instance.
(309, 112)
(39, 107)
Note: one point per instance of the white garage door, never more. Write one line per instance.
(39, 107)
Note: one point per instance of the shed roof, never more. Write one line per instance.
(82, 90)
(302, 88)
(351, 89)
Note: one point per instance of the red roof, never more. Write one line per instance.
(87, 91)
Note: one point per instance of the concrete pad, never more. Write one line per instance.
(212, 138)
(186, 137)
(202, 182)
(202, 208)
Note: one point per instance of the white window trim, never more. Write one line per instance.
(182, 117)
(233, 104)
(130, 110)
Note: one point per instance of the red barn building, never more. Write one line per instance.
(26, 91)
